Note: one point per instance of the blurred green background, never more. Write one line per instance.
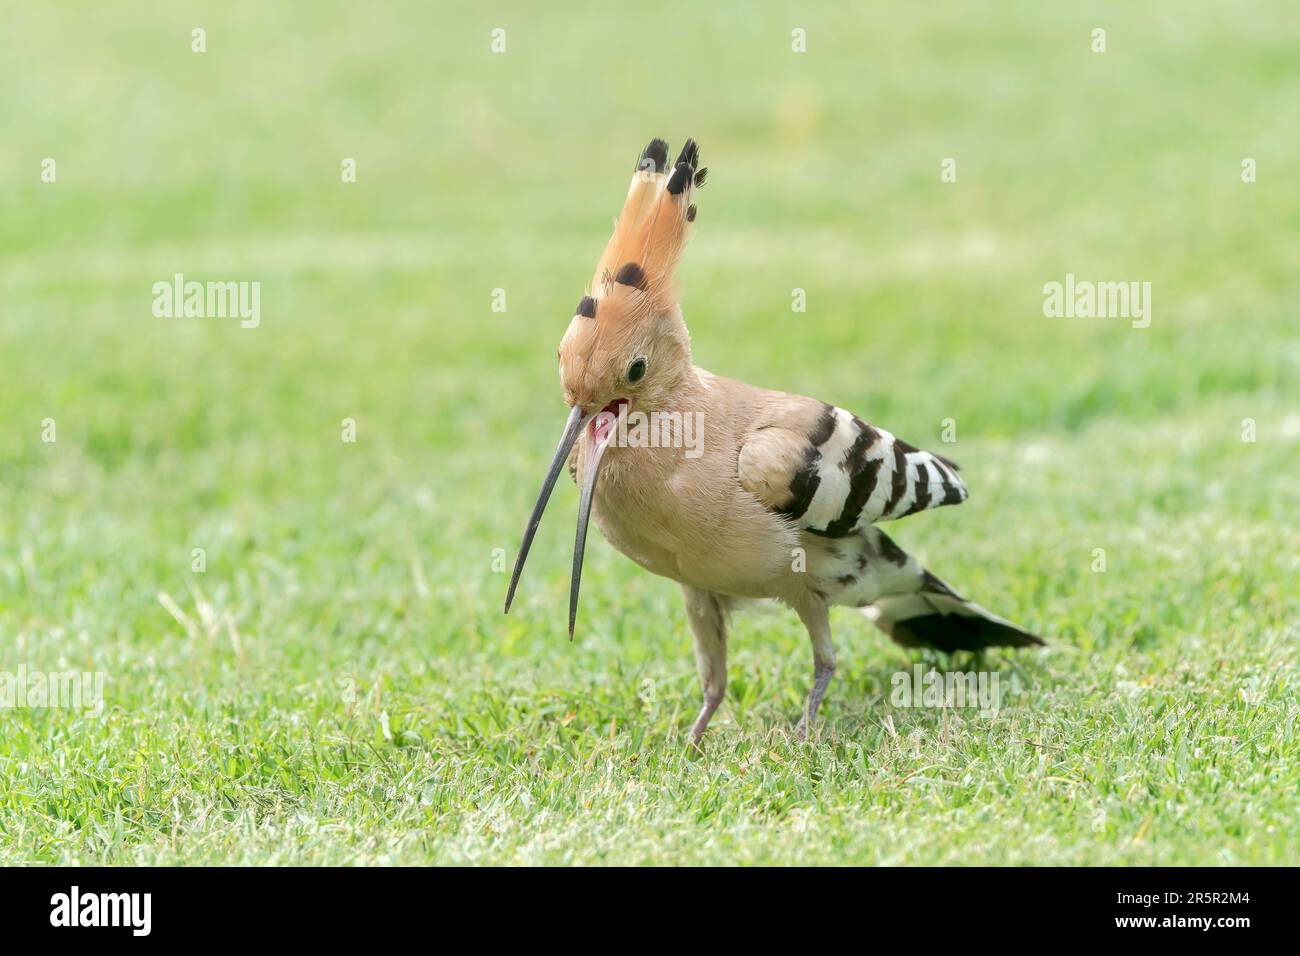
(339, 684)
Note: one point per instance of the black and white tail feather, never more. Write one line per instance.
(867, 570)
(922, 611)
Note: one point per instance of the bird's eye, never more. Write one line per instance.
(636, 371)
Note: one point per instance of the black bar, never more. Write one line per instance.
(935, 906)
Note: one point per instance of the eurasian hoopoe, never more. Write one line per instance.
(780, 501)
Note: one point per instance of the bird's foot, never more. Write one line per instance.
(821, 679)
(702, 721)
(805, 725)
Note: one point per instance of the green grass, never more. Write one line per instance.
(339, 686)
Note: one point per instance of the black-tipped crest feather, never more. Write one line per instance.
(631, 274)
(690, 154)
(680, 178)
(654, 156)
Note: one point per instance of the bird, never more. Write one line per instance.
(777, 496)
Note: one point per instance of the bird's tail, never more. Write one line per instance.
(925, 612)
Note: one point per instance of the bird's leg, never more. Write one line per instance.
(709, 625)
(817, 620)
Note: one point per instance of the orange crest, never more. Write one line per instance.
(651, 232)
(631, 312)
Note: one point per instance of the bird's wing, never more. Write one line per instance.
(831, 473)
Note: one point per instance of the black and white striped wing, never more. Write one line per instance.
(842, 474)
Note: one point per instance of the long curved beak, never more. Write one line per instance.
(588, 468)
(572, 429)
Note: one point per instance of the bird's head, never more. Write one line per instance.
(627, 347)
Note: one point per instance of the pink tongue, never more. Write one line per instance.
(604, 422)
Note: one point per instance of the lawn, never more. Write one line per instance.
(300, 636)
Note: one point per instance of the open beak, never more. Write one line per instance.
(602, 429)
(593, 451)
(572, 429)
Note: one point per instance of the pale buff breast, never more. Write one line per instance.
(687, 519)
